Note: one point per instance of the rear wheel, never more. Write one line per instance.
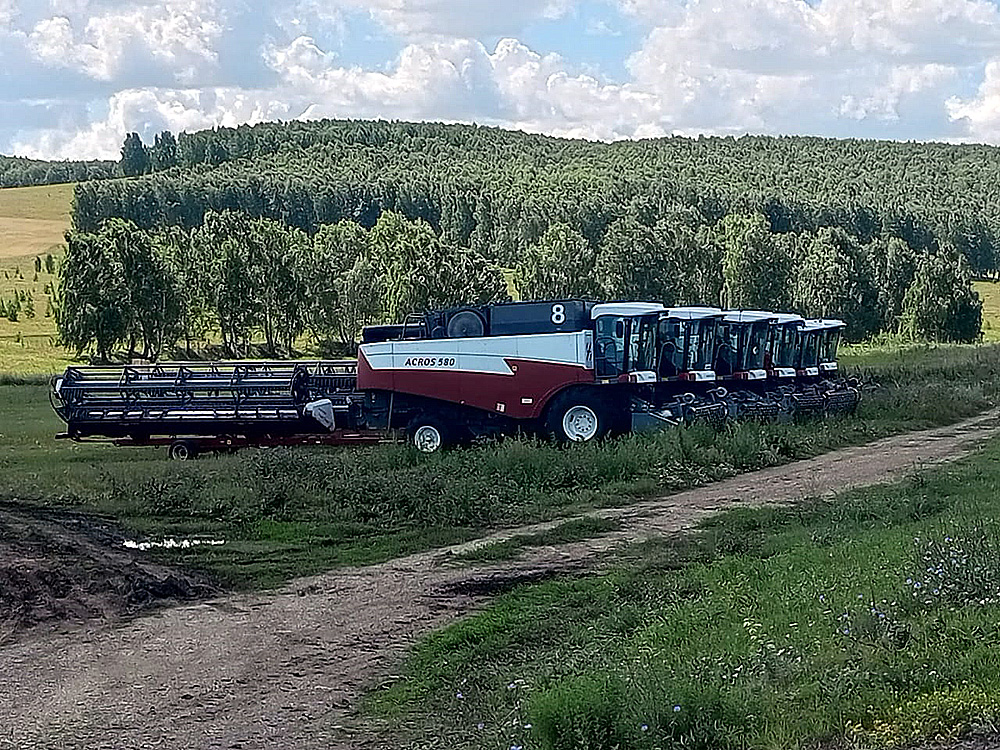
(182, 450)
(428, 434)
(578, 417)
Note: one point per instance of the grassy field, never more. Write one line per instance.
(285, 513)
(866, 621)
(32, 223)
(33, 219)
(989, 292)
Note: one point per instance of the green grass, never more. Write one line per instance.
(28, 345)
(574, 530)
(872, 619)
(32, 223)
(989, 292)
(288, 512)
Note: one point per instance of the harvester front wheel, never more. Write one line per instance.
(428, 434)
(577, 417)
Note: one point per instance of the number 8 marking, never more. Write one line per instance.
(558, 315)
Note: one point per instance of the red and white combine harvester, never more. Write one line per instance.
(572, 370)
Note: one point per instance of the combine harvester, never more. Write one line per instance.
(572, 370)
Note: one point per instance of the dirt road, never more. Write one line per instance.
(286, 669)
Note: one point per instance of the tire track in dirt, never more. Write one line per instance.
(287, 669)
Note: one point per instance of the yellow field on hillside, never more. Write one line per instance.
(23, 237)
(34, 219)
(32, 223)
(45, 202)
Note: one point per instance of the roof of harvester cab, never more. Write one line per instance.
(749, 316)
(695, 313)
(777, 317)
(824, 324)
(626, 309)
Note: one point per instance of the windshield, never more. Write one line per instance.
(727, 345)
(701, 342)
(670, 363)
(684, 345)
(809, 349)
(831, 342)
(642, 344)
(740, 347)
(754, 340)
(784, 345)
(609, 342)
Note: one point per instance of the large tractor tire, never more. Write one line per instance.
(429, 433)
(578, 416)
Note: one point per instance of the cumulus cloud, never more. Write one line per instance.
(178, 35)
(788, 66)
(872, 68)
(980, 114)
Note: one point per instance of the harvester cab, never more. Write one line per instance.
(625, 341)
(686, 344)
(741, 349)
(782, 349)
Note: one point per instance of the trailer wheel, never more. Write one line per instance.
(578, 417)
(428, 434)
(182, 450)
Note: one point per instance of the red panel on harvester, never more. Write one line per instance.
(511, 375)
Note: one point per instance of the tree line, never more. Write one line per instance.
(148, 292)
(250, 278)
(20, 172)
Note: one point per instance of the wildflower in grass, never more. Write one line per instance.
(459, 696)
(644, 727)
(677, 709)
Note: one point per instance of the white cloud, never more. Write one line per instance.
(787, 66)
(8, 11)
(179, 35)
(980, 114)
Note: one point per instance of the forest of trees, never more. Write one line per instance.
(19, 172)
(886, 235)
(124, 288)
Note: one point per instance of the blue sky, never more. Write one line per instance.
(76, 75)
